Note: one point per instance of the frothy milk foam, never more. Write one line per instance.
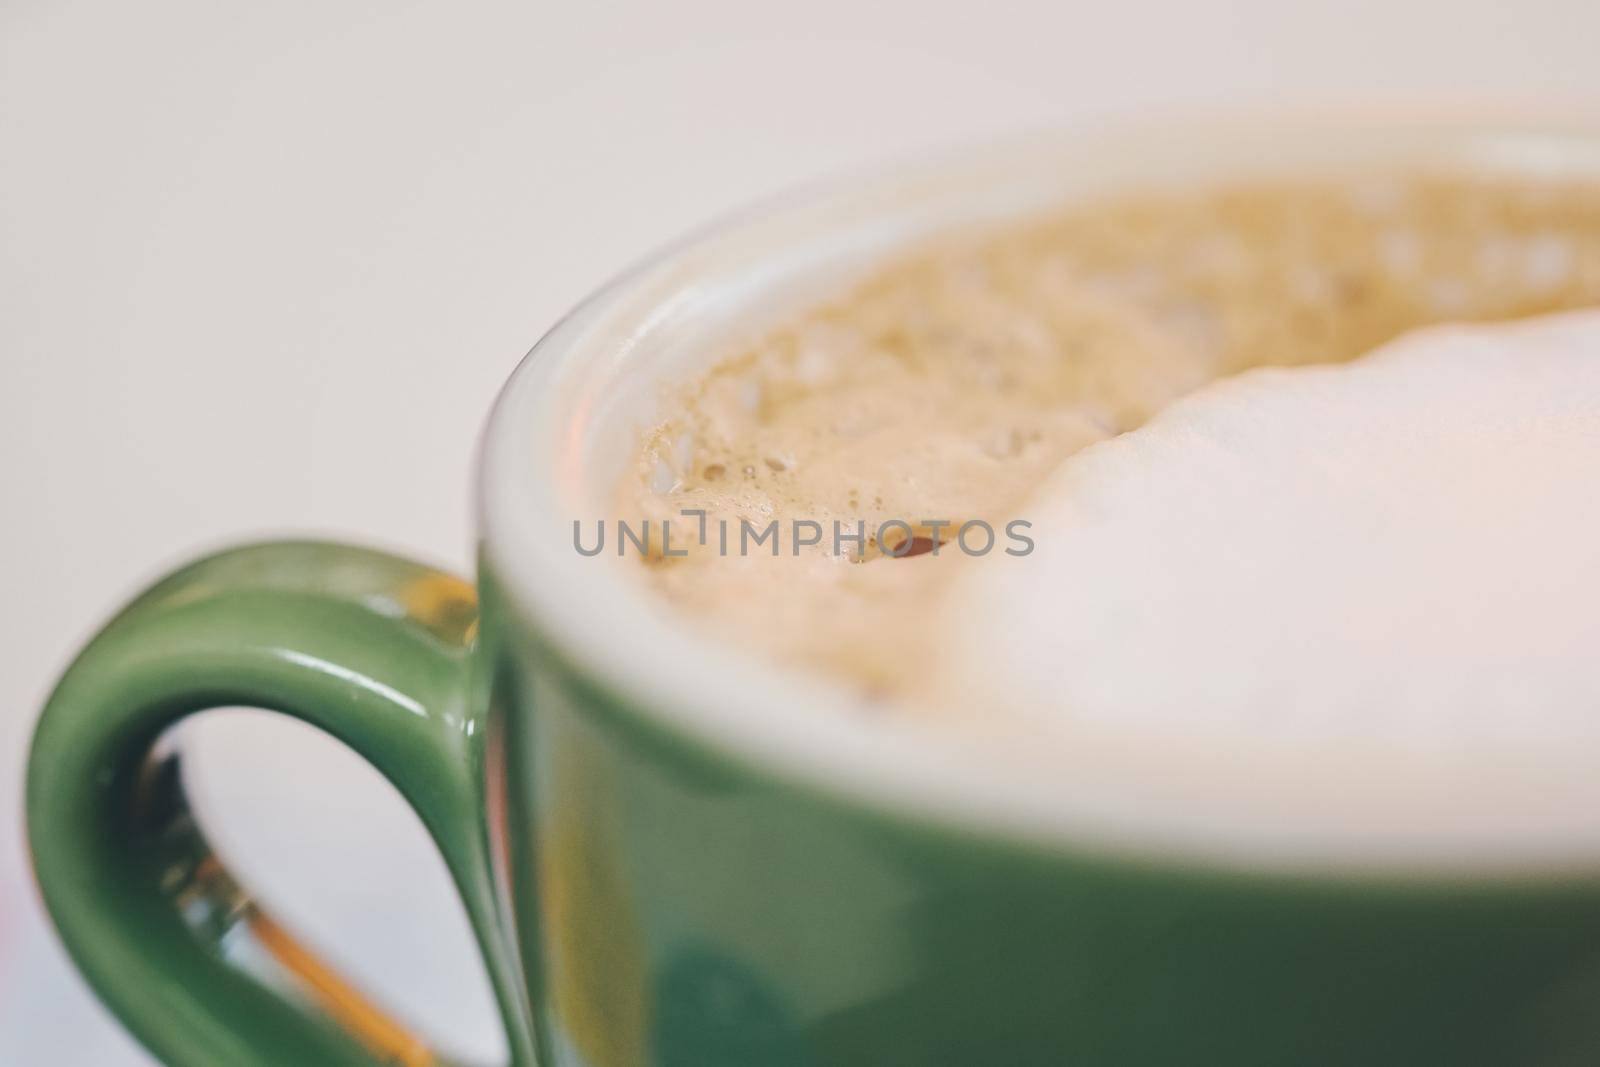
(1405, 548)
(1295, 538)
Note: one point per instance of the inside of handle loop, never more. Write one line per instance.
(224, 917)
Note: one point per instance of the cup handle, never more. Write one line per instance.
(372, 649)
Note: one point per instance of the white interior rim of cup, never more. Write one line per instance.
(534, 481)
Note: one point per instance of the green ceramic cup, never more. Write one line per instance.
(673, 856)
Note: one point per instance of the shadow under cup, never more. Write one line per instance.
(676, 855)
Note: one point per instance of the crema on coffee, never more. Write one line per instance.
(966, 381)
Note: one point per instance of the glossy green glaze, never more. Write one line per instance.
(674, 907)
(677, 908)
(372, 649)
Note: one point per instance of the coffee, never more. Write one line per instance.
(951, 384)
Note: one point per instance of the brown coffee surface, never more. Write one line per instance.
(956, 377)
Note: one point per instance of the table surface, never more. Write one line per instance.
(262, 268)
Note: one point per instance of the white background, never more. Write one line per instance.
(262, 267)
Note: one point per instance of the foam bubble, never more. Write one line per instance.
(1404, 550)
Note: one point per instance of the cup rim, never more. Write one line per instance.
(812, 732)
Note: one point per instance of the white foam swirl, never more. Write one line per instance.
(1402, 551)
